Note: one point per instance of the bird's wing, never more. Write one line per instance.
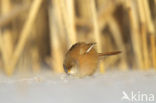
(91, 45)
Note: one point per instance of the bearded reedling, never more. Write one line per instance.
(82, 59)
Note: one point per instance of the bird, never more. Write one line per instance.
(82, 59)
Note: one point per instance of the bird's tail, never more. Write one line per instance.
(109, 53)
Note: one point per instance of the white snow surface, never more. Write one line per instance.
(99, 88)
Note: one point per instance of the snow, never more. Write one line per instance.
(100, 88)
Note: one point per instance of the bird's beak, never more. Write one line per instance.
(65, 69)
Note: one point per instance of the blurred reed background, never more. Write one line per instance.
(35, 34)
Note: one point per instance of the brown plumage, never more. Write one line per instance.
(82, 59)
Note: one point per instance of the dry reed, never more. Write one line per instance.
(97, 32)
(126, 25)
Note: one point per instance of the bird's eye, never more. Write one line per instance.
(65, 68)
